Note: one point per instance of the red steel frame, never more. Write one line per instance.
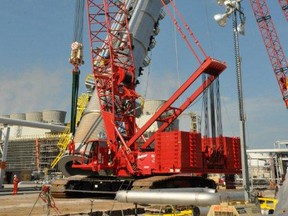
(272, 44)
(113, 66)
(209, 66)
(113, 69)
(284, 7)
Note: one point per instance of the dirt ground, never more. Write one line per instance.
(22, 204)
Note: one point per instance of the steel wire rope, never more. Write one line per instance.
(211, 44)
(214, 116)
(147, 78)
(177, 56)
(176, 28)
(78, 22)
(176, 50)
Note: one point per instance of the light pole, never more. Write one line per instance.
(233, 7)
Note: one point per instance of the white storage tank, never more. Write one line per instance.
(151, 106)
(54, 116)
(21, 116)
(34, 116)
(91, 124)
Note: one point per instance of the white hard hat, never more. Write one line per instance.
(15, 176)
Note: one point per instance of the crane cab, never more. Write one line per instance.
(95, 156)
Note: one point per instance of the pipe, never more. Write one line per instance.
(196, 189)
(8, 121)
(201, 199)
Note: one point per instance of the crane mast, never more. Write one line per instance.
(272, 44)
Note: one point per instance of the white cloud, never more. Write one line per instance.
(34, 90)
(153, 86)
(265, 120)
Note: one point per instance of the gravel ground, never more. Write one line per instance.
(22, 204)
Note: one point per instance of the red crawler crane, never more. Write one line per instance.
(113, 69)
(272, 44)
(125, 155)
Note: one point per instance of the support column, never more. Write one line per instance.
(4, 157)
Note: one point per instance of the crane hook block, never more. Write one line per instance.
(76, 56)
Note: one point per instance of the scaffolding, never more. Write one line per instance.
(32, 153)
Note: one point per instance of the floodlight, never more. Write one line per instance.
(241, 28)
(220, 2)
(221, 19)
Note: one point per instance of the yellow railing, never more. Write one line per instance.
(65, 137)
(267, 204)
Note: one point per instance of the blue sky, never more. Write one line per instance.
(36, 76)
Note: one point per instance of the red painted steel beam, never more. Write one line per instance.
(209, 66)
(284, 7)
(272, 44)
(113, 66)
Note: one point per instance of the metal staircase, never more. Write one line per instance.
(65, 137)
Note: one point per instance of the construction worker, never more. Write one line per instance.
(15, 184)
(71, 147)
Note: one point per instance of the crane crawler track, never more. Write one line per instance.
(89, 186)
(173, 181)
(107, 186)
(58, 188)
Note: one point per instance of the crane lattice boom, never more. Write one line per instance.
(113, 69)
(284, 7)
(272, 44)
(113, 65)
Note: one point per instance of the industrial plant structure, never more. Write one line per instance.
(31, 148)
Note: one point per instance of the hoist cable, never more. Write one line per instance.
(78, 21)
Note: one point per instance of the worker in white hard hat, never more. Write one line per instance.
(15, 184)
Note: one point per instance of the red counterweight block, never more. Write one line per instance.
(232, 150)
(178, 152)
(222, 154)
